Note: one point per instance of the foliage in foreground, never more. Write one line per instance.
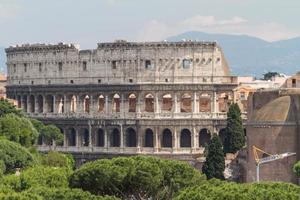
(220, 190)
(296, 169)
(135, 177)
(214, 165)
(13, 155)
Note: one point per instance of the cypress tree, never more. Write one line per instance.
(214, 165)
(235, 137)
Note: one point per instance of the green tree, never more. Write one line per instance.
(235, 137)
(136, 177)
(6, 108)
(14, 156)
(296, 169)
(270, 75)
(214, 164)
(50, 134)
(18, 129)
(56, 159)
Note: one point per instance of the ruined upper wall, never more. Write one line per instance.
(119, 62)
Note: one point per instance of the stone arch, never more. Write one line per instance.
(167, 103)
(222, 135)
(205, 102)
(186, 103)
(25, 102)
(31, 103)
(224, 101)
(86, 104)
(71, 137)
(149, 102)
(60, 104)
(101, 103)
(115, 138)
(149, 138)
(204, 137)
(40, 104)
(99, 138)
(116, 101)
(185, 138)
(50, 103)
(85, 137)
(131, 137)
(132, 103)
(73, 104)
(167, 138)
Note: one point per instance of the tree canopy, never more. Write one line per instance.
(6, 108)
(214, 164)
(235, 136)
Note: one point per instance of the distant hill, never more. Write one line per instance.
(2, 60)
(252, 56)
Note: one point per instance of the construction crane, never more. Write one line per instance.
(266, 158)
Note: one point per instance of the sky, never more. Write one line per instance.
(87, 22)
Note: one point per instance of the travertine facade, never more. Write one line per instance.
(124, 97)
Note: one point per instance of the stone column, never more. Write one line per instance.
(156, 105)
(106, 138)
(139, 105)
(214, 103)
(78, 104)
(66, 104)
(121, 138)
(36, 104)
(175, 103)
(92, 104)
(65, 137)
(195, 103)
(54, 104)
(194, 139)
(27, 104)
(157, 142)
(175, 140)
(44, 104)
(106, 105)
(77, 138)
(122, 109)
(90, 134)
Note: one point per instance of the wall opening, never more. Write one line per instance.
(73, 104)
(101, 103)
(116, 103)
(31, 103)
(100, 138)
(149, 103)
(115, 138)
(149, 138)
(204, 137)
(132, 103)
(50, 103)
(131, 137)
(205, 103)
(166, 138)
(40, 104)
(185, 138)
(186, 103)
(167, 102)
(86, 104)
(71, 137)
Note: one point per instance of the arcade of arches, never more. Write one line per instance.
(188, 102)
(119, 137)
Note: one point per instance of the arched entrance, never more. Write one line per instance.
(130, 137)
(71, 137)
(85, 137)
(115, 138)
(185, 138)
(204, 137)
(31, 103)
(166, 138)
(40, 103)
(99, 138)
(149, 138)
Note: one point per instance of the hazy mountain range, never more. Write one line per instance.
(246, 55)
(253, 56)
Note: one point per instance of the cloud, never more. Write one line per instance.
(9, 10)
(270, 31)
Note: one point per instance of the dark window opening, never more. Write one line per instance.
(114, 64)
(84, 65)
(60, 66)
(40, 67)
(293, 82)
(71, 81)
(186, 63)
(148, 64)
(99, 80)
(130, 80)
(49, 81)
(25, 67)
(15, 68)
(32, 82)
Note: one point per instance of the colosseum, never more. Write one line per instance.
(157, 98)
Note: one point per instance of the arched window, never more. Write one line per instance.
(167, 102)
(19, 99)
(101, 103)
(149, 138)
(130, 137)
(149, 103)
(186, 103)
(100, 138)
(73, 104)
(224, 101)
(205, 103)
(204, 137)
(185, 138)
(25, 103)
(50, 103)
(132, 103)
(31, 103)
(85, 139)
(60, 104)
(86, 104)
(115, 138)
(71, 137)
(166, 138)
(40, 103)
(116, 103)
